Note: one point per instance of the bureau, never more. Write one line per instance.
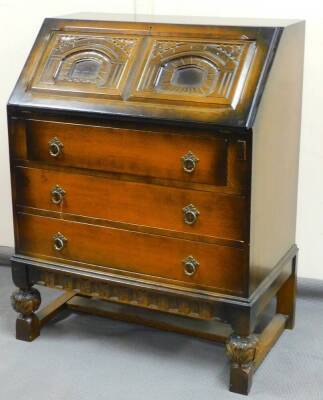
(154, 176)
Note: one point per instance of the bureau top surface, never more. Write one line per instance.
(182, 19)
(210, 73)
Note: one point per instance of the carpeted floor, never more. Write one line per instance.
(82, 357)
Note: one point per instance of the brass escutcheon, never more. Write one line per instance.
(57, 194)
(189, 162)
(55, 147)
(191, 214)
(190, 265)
(59, 241)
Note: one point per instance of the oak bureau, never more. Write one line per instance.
(154, 176)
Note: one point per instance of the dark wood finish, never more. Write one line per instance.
(145, 153)
(150, 164)
(269, 337)
(275, 172)
(54, 307)
(220, 268)
(247, 353)
(154, 166)
(208, 329)
(286, 297)
(26, 302)
(234, 58)
(220, 216)
(242, 353)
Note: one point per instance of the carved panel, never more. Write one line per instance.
(242, 350)
(128, 295)
(204, 72)
(95, 64)
(26, 301)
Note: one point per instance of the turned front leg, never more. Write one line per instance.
(26, 302)
(242, 353)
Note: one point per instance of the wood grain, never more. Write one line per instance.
(275, 171)
(125, 103)
(129, 151)
(221, 268)
(221, 216)
(234, 62)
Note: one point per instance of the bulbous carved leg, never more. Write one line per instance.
(26, 302)
(242, 353)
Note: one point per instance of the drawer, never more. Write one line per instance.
(156, 258)
(182, 210)
(168, 156)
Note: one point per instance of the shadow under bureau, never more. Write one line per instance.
(154, 176)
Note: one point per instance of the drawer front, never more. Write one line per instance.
(154, 257)
(152, 154)
(181, 210)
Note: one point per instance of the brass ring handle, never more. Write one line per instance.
(190, 265)
(57, 194)
(191, 214)
(189, 162)
(55, 147)
(59, 241)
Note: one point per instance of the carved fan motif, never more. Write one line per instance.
(178, 71)
(208, 72)
(85, 67)
(194, 75)
(86, 63)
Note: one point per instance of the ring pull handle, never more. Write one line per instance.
(59, 241)
(190, 265)
(189, 162)
(57, 194)
(55, 147)
(191, 214)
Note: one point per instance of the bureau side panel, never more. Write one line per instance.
(276, 135)
(17, 149)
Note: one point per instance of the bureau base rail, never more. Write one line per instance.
(246, 353)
